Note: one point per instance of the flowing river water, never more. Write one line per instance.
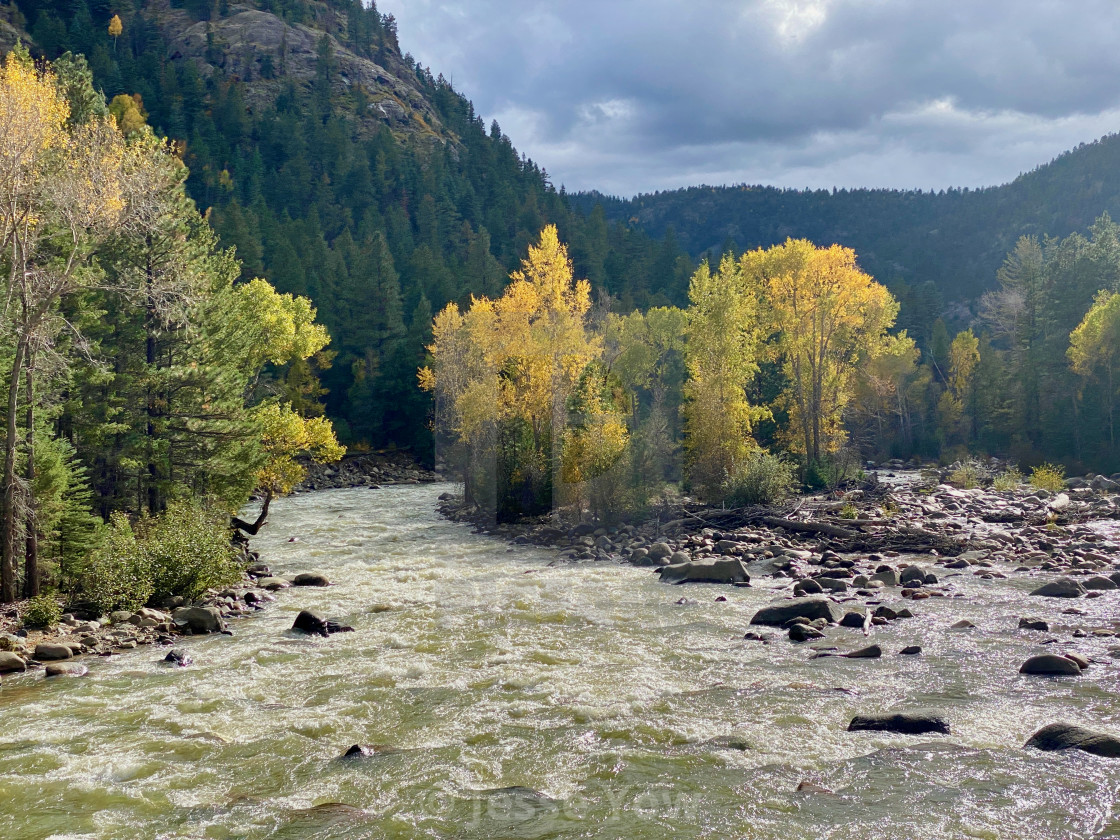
(529, 700)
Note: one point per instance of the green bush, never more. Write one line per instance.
(969, 474)
(762, 479)
(1009, 479)
(43, 611)
(187, 550)
(183, 551)
(1048, 477)
(116, 576)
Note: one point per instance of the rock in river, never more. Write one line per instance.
(48, 651)
(1066, 736)
(66, 669)
(906, 723)
(810, 608)
(308, 622)
(200, 620)
(721, 570)
(179, 657)
(1050, 664)
(1061, 588)
(9, 662)
(310, 579)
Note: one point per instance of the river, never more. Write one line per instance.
(529, 700)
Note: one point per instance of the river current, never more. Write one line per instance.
(523, 696)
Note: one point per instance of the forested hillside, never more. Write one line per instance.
(341, 170)
(933, 247)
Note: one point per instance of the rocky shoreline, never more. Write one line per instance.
(57, 651)
(370, 469)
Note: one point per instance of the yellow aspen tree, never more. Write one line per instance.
(115, 29)
(721, 356)
(826, 316)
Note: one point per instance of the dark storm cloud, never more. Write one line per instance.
(628, 96)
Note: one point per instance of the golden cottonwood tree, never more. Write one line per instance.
(825, 316)
(724, 335)
(512, 363)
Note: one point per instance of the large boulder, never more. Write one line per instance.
(1060, 588)
(811, 608)
(10, 662)
(715, 570)
(50, 651)
(1050, 664)
(1066, 736)
(1099, 582)
(199, 620)
(906, 723)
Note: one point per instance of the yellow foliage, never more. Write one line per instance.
(129, 113)
(1095, 343)
(286, 435)
(724, 333)
(115, 26)
(279, 327)
(826, 317)
(518, 356)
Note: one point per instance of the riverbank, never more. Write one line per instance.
(367, 469)
(907, 539)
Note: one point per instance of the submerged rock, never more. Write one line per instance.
(869, 652)
(364, 751)
(721, 570)
(906, 723)
(810, 608)
(179, 657)
(1066, 736)
(1026, 623)
(66, 669)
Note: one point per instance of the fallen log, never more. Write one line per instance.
(809, 527)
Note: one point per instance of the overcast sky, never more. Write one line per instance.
(629, 96)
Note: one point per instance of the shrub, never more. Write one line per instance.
(849, 511)
(187, 550)
(969, 473)
(1009, 479)
(1048, 477)
(183, 551)
(116, 576)
(42, 611)
(761, 479)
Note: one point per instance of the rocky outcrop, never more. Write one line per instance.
(265, 52)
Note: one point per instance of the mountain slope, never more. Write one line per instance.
(341, 170)
(955, 239)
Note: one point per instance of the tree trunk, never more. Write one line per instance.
(251, 528)
(31, 545)
(8, 588)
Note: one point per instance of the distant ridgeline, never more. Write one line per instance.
(341, 170)
(931, 249)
